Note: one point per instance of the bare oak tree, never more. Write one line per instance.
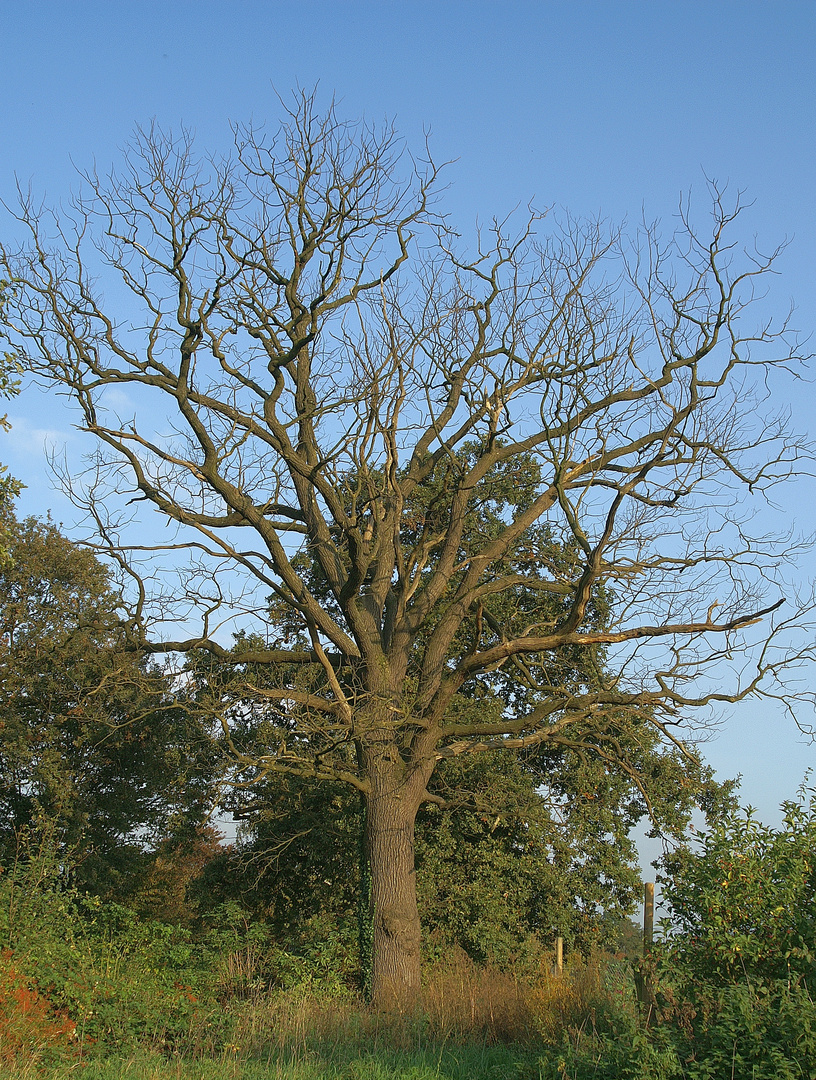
(319, 390)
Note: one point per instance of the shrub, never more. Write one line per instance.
(91, 964)
(735, 971)
(742, 903)
(625, 1052)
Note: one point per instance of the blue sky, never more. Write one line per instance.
(597, 106)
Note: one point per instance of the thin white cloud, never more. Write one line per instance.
(26, 438)
(118, 401)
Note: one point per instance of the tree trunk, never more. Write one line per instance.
(395, 967)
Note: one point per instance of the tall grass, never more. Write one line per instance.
(474, 1021)
(443, 1063)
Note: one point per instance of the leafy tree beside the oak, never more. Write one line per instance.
(92, 746)
(344, 380)
(541, 845)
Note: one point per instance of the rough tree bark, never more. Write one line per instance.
(412, 475)
(395, 968)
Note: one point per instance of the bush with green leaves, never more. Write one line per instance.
(627, 1051)
(741, 1033)
(742, 901)
(735, 972)
(118, 979)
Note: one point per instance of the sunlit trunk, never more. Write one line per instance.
(395, 966)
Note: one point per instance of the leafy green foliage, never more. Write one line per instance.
(519, 858)
(92, 740)
(126, 980)
(541, 844)
(735, 973)
(742, 901)
(81, 953)
(626, 1051)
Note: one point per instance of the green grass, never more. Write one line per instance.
(477, 1062)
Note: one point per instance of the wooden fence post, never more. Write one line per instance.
(559, 956)
(643, 982)
(648, 917)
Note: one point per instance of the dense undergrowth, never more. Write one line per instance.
(89, 988)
